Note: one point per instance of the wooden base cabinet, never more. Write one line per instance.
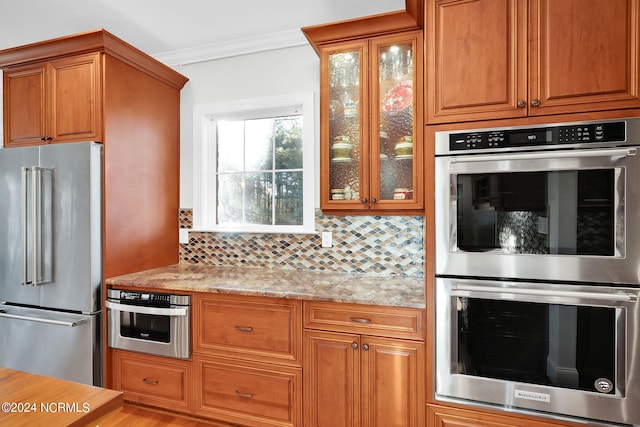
(248, 359)
(248, 393)
(442, 416)
(491, 59)
(153, 380)
(354, 379)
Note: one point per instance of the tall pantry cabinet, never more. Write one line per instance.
(94, 86)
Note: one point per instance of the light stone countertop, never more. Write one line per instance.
(390, 291)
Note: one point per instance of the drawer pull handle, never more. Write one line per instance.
(244, 328)
(146, 381)
(360, 320)
(245, 395)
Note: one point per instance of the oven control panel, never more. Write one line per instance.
(578, 134)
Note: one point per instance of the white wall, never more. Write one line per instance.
(275, 72)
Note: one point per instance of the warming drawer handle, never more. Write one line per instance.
(179, 311)
(463, 290)
(620, 152)
(42, 320)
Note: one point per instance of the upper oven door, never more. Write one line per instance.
(551, 215)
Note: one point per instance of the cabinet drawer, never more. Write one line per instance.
(260, 329)
(152, 380)
(249, 393)
(397, 322)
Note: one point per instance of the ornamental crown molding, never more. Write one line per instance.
(226, 49)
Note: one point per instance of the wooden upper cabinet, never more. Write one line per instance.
(75, 98)
(25, 105)
(53, 101)
(476, 60)
(490, 59)
(371, 113)
(584, 55)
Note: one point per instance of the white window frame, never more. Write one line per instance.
(204, 159)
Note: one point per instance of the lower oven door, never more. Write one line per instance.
(567, 350)
(153, 330)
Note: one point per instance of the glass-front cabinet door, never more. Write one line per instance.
(344, 132)
(371, 127)
(396, 154)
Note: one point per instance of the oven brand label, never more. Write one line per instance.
(530, 395)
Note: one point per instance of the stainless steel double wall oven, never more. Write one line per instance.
(538, 269)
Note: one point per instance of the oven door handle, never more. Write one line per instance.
(465, 290)
(140, 309)
(620, 152)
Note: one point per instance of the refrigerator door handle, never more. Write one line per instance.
(25, 266)
(42, 320)
(35, 194)
(37, 224)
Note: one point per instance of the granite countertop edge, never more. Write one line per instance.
(352, 288)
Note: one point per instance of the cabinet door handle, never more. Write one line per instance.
(360, 320)
(146, 381)
(365, 347)
(374, 200)
(244, 328)
(354, 345)
(522, 103)
(44, 138)
(364, 200)
(245, 395)
(535, 102)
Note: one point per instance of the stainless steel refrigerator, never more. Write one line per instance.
(51, 260)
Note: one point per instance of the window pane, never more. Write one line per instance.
(259, 145)
(230, 146)
(230, 198)
(258, 202)
(288, 198)
(289, 142)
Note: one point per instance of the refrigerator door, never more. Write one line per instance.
(51, 228)
(16, 238)
(76, 227)
(55, 344)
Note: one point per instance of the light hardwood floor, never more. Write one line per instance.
(140, 416)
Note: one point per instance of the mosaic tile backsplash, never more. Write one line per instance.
(389, 245)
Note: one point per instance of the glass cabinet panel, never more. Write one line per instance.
(345, 124)
(396, 117)
(370, 124)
